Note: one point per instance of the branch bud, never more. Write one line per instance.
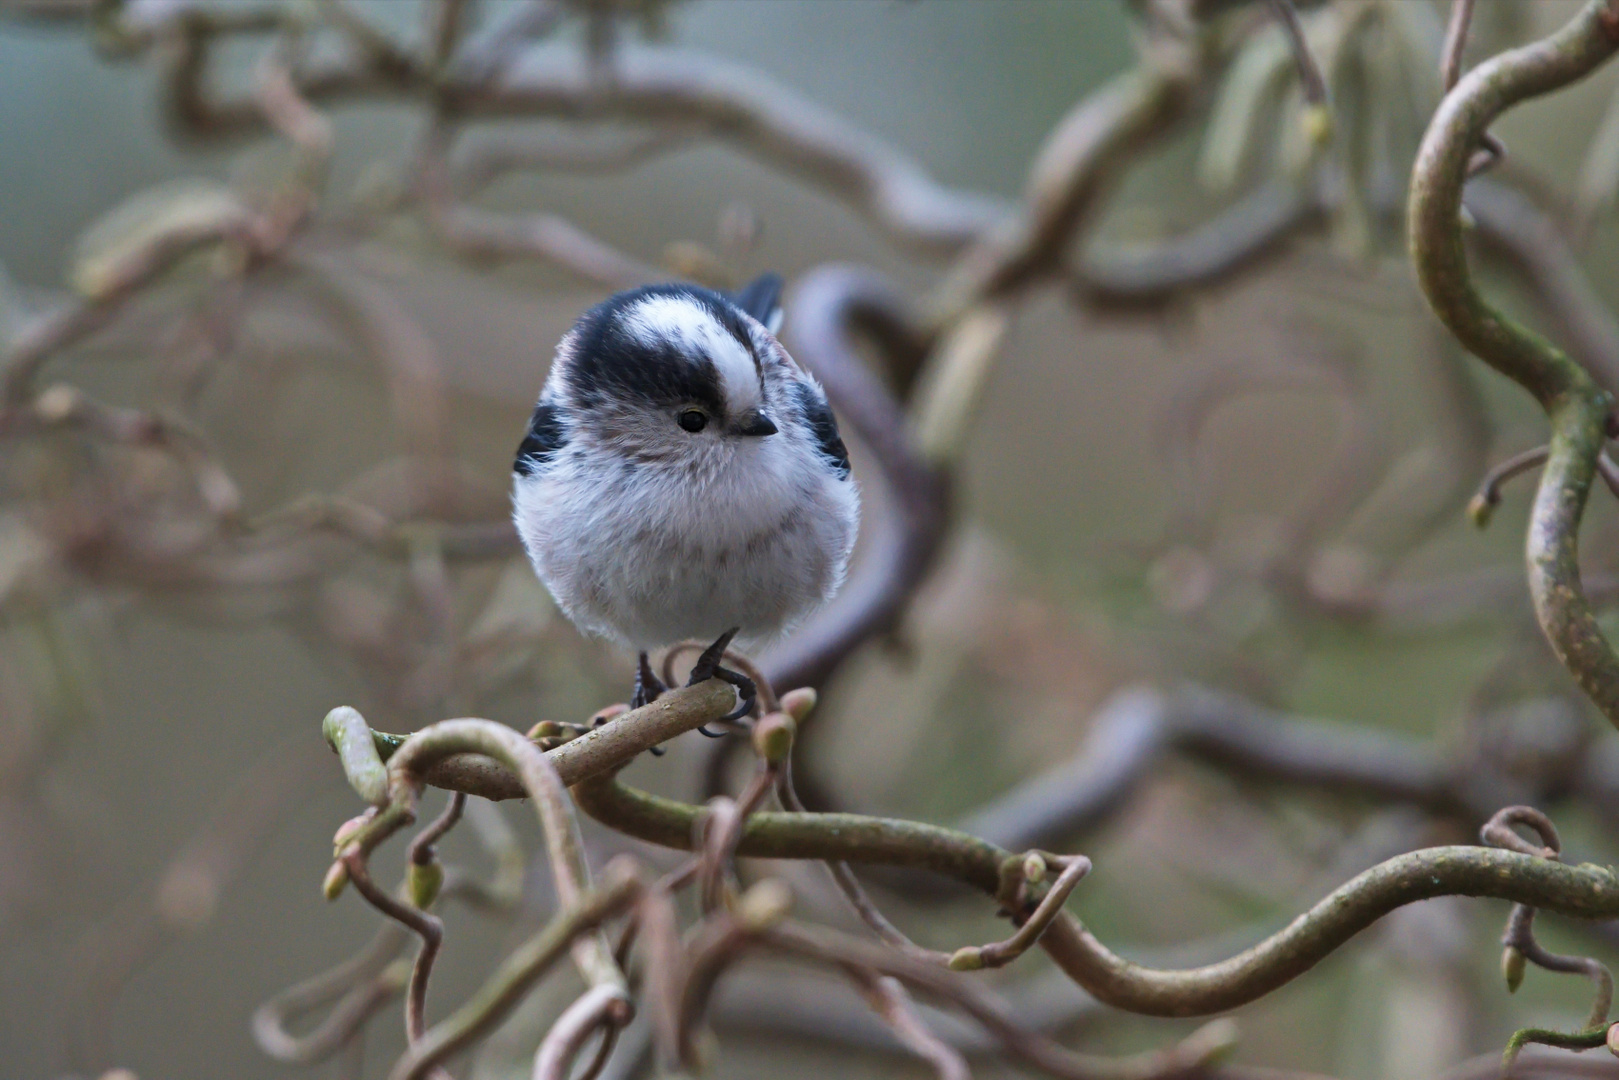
(337, 879)
(1034, 868)
(545, 729)
(350, 828)
(422, 881)
(1512, 966)
(1479, 510)
(773, 737)
(1318, 125)
(396, 976)
(765, 904)
(799, 703)
(967, 958)
(59, 402)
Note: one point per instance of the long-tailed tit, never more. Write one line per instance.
(682, 477)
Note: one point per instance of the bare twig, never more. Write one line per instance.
(1489, 489)
(1519, 944)
(1000, 953)
(421, 853)
(848, 884)
(589, 1013)
(427, 927)
(491, 237)
(360, 985)
(1255, 226)
(890, 1001)
(1132, 731)
(1311, 81)
(822, 946)
(1078, 161)
(1450, 70)
(523, 965)
(1450, 56)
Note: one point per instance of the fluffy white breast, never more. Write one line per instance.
(646, 533)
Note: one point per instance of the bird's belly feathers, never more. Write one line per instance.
(647, 569)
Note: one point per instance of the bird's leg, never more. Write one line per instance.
(708, 667)
(648, 687)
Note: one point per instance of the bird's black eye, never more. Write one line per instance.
(693, 419)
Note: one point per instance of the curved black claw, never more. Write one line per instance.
(648, 688)
(745, 690)
(708, 667)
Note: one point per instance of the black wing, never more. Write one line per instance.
(545, 437)
(824, 426)
(761, 298)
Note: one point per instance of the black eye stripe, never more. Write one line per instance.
(615, 365)
(609, 362)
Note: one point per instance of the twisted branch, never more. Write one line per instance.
(1576, 406)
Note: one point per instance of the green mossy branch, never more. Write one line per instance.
(779, 835)
(611, 746)
(1577, 407)
(1586, 891)
(1563, 1040)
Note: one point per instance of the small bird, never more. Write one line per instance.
(682, 477)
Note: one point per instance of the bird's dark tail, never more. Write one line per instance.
(761, 298)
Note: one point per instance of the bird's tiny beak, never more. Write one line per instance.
(755, 422)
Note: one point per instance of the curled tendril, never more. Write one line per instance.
(1519, 945)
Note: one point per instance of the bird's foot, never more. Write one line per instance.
(648, 688)
(708, 667)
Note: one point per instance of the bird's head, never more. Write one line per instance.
(672, 372)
